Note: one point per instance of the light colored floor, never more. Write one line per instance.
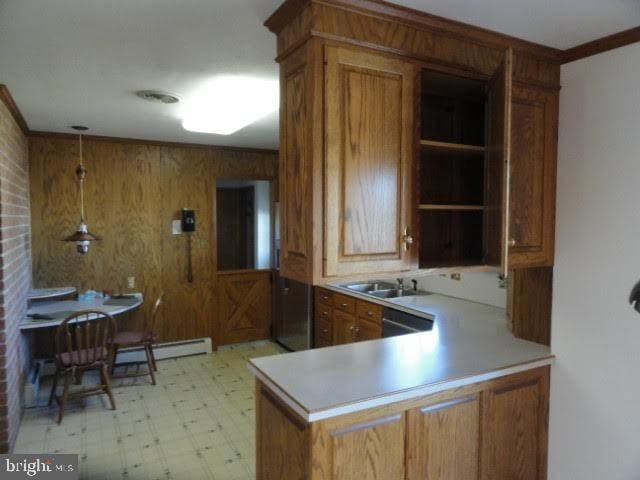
(197, 423)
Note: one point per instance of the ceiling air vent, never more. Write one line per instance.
(157, 96)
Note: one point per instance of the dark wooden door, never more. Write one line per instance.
(498, 149)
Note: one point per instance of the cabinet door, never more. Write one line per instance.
(534, 127)
(369, 155)
(370, 450)
(514, 429)
(344, 325)
(367, 330)
(444, 440)
(296, 167)
(498, 149)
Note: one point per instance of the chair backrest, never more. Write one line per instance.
(150, 325)
(85, 338)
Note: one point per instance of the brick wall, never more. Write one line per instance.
(15, 272)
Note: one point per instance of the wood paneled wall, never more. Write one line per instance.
(133, 192)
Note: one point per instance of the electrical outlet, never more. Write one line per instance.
(456, 276)
(131, 282)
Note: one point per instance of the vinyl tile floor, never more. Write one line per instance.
(198, 422)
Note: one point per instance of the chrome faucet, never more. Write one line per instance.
(400, 285)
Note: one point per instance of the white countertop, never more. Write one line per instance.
(470, 342)
(50, 293)
(61, 309)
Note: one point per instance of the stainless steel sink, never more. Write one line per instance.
(370, 286)
(392, 293)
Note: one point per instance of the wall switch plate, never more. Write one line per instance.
(131, 282)
(176, 227)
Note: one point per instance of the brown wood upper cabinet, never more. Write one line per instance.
(532, 188)
(369, 149)
(407, 147)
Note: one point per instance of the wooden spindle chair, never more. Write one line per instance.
(83, 342)
(144, 338)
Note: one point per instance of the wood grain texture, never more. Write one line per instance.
(10, 103)
(369, 451)
(498, 148)
(133, 192)
(244, 312)
(601, 45)
(534, 126)
(282, 440)
(411, 33)
(300, 179)
(530, 293)
(443, 440)
(515, 429)
(369, 149)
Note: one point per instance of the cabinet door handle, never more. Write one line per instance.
(352, 328)
(343, 305)
(407, 238)
(370, 313)
(512, 242)
(326, 330)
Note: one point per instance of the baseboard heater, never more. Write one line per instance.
(45, 366)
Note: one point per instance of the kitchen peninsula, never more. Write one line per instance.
(465, 399)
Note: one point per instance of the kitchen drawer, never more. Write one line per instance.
(344, 303)
(324, 296)
(323, 331)
(324, 311)
(369, 311)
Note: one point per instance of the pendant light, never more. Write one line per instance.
(83, 237)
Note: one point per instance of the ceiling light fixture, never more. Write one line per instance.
(82, 237)
(157, 96)
(230, 103)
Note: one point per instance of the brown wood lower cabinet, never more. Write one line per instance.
(341, 319)
(494, 430)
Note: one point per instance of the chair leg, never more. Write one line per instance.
(53, 387)
(114, 354)
(106, 383)
(153, 357)
(147, 351)
(65, 393)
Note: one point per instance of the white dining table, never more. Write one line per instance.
(43, 294)
(52, 314)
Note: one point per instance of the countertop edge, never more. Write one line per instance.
(386, 399)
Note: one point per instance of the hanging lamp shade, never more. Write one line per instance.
(82, 236)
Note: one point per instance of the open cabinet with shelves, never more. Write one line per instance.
(452, 170)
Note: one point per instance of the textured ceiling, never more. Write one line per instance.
(79, 61)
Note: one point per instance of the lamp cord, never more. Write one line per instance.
(81, 177)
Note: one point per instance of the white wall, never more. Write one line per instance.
(262, 215)
(483, 287)
(595, 385)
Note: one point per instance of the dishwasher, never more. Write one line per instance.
(396, 322)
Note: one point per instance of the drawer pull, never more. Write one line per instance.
(326, 330)
(343, 305)
(370, 313)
